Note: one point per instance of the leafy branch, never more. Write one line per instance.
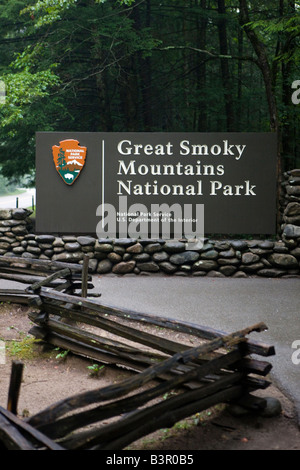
(212, 55)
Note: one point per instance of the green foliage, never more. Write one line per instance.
(62, 354)
(23, 89)
(46, 12)
(11, 187)
(96, 369)
(116, 65)
(286, 28)
(23, 348)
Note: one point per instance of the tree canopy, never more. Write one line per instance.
(147, 65)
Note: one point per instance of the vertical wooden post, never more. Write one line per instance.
(15, 385)
(84, 277)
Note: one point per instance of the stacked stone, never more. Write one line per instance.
(14, 225)
(291, 214)
(215, 258)
(237, 258)
(218, 258)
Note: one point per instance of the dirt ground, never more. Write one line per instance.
(47, 378)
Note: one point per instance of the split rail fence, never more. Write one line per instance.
(170, 381)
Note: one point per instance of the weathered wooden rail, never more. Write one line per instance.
(47, 273)
(218, 368)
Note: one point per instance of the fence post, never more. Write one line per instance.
(14, 387)
(84, 277)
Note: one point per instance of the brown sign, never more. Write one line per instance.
(69, 159)
(232, 174)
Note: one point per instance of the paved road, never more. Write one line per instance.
(224, 304)
(25, 200)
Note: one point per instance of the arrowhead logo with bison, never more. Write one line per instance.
(69, 159)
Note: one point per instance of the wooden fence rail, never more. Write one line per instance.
(217, 369)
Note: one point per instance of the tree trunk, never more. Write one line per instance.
(263, 63)
(266, 71)
(144, 70)
(201, 70)
(226, 77)
(288, 128)
(240, 74)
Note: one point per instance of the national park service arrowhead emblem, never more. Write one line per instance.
(69, 159)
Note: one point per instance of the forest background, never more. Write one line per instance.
(147, 65)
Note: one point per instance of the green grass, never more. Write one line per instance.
(33, 212)
(22, 348)
(15, 192)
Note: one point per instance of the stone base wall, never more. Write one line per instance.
(290, 204)
(218, 258)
